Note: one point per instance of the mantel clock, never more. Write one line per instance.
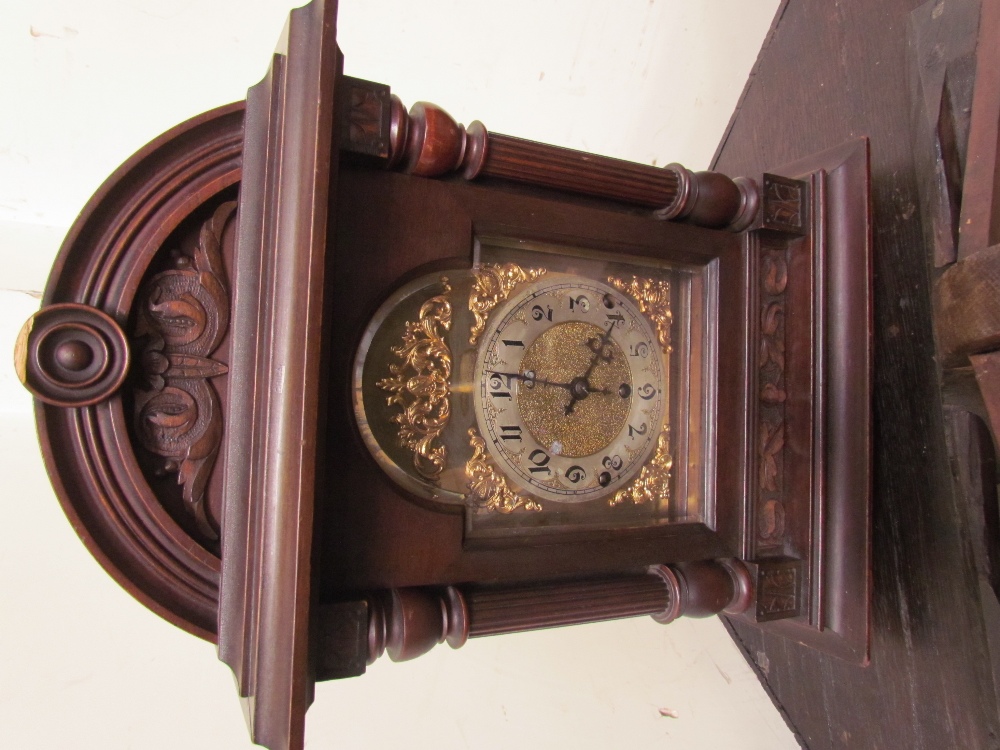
(318, 377)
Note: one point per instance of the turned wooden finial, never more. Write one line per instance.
(409, 622)
(704, 588)
(428, 142)
(711, 199)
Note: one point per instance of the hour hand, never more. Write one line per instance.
(579, 389)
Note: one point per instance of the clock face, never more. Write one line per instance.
(540, 391)
(570, 391)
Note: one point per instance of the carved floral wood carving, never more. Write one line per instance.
(771, 438)
(183, 316)
(778, 591)
(783, 207)
(365, 118)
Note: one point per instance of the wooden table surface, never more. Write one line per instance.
(829, 72)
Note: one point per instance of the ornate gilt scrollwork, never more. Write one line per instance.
(492, 284)
(421, 385)
(183, 317)
(653, 482)
(487, 487)
(653, 298)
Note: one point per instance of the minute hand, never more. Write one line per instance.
(530, 379)
(541, 381)
(575, 394)
(599, 351)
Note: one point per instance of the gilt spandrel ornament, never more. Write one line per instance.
(493, 284)
(653, 483)
(488, 490)
(653, 298)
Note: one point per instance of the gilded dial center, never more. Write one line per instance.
(577, 392)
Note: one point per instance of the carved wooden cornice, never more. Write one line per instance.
(118, 358)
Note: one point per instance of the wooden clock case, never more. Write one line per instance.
(192, 363)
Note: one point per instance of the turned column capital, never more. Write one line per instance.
(428, 142)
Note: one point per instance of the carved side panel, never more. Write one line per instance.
(784, 333)
(770, 516)
(182, 317)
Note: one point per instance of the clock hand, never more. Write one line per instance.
(599, 351)
(531, 379)
(580, 387)
(576, 385)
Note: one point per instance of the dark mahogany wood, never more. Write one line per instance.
(193, 364)
(371, 527)
(78, 356)
(496, 610)
(812, 377)
(80, 352)
(562, 169)
(429, 143)
(408, 622)
(274, 424)
(696, 589)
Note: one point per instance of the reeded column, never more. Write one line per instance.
(514, 609)
(428, 142)
(410, 622)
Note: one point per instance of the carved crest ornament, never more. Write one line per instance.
(183, 317)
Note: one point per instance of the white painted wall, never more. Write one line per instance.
(86, 84)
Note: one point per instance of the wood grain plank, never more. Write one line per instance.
(831, 72)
